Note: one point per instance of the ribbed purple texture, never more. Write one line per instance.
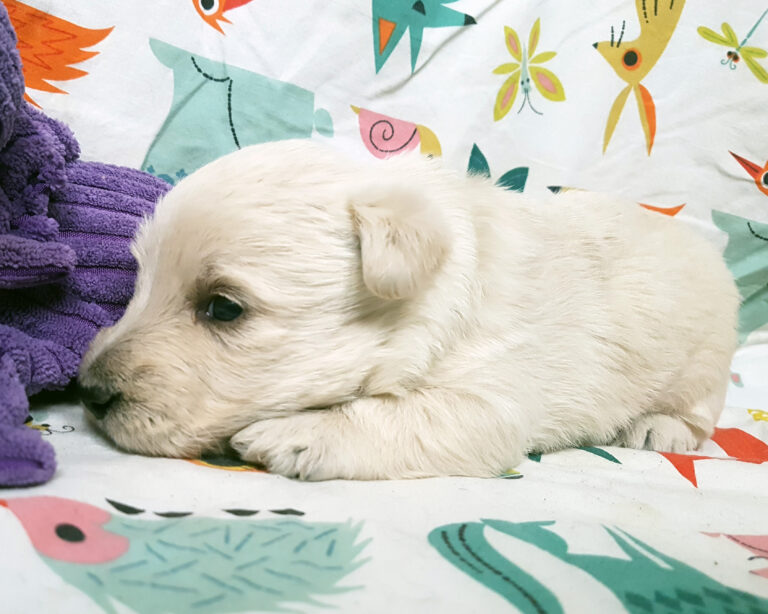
(65, 265)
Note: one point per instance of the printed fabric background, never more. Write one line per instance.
(664, 102)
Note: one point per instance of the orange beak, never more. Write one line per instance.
(213, 21)
(753, 169)
(3, 503)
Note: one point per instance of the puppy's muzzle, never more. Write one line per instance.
(99, 384)
(99, 400)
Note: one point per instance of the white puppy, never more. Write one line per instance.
(340, 319)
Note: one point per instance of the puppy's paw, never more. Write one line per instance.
(296, 446)
(658, 432)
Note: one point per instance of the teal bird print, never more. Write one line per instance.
(218, 108)
(184, 563)
(747, 258)
(643, 579)
(391, 18)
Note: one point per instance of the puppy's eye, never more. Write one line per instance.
(222, 309)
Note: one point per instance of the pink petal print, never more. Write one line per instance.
(512, 42)
(546, 82)
(508, 95)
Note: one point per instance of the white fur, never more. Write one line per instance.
(402, 320)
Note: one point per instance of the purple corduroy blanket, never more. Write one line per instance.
(65, 265)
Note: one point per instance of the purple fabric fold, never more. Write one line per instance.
(30, 262)
(65, 264)
(25, 458)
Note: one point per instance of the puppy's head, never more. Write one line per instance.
(269, 281)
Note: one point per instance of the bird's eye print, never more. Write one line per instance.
(69, 532)
(222, 309)
(631, 59)
(764, 179)
(208, 7)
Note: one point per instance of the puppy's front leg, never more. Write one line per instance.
(420, 435)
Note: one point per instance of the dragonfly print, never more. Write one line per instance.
(523, 72)
(739, 50)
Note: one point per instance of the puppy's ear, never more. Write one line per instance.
(404, 239)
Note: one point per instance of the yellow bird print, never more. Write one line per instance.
(633, 60)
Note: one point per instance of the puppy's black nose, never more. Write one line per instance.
(98, 400)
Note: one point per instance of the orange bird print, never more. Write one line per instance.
(737, 444)
(212, 11)
(757, 172)
(633, 60)
(48, 47)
